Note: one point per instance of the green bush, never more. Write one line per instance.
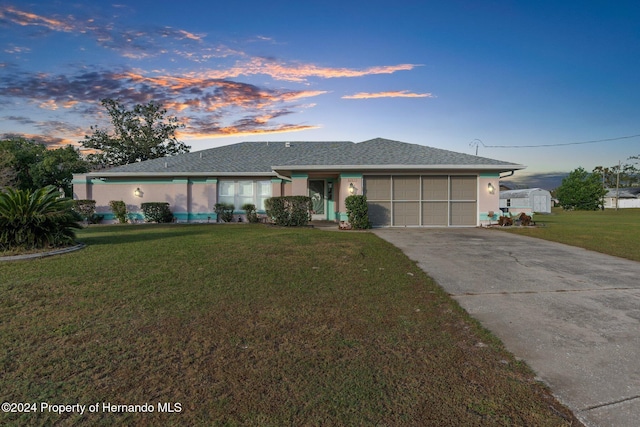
(224, 211)
(156, 212)
(289, 211)
(251, 212)
(358, 211)
(119, 209)
(36, 219)
(85, 208)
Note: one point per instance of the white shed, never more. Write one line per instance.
(622, 198)
(527, 200)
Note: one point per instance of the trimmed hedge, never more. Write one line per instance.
(251, 212)
(156, 212)
(289, 211)
(358, 211)
(119, 209)
(224, 211)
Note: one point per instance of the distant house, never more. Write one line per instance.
(405, 184)
(622, 198)
(527, 200)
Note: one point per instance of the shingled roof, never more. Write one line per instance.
(264, 158)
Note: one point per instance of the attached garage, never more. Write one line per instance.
(422, 200)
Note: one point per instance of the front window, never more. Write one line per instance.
(241, 192)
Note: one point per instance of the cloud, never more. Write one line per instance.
(389, 94)
(207, 106)
(296, 72)
(211, 101)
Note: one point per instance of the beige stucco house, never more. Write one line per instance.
(405, 184)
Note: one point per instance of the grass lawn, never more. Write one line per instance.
(251, 325)
(611, 232)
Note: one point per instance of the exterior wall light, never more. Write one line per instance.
(352, 188)
(491, 188)
(138, 192)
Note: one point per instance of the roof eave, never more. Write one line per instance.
(501, 168)
(176, 173)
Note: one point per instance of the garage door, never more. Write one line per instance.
(421, 200)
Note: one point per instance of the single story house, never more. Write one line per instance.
(526, 200)
(405, 184)
(622, 198)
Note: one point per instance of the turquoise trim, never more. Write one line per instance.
(489, 175)
(299, 175)
(137, 181)
(350, 175)
(202, 181)
(331, 215)
(180, 181)
(484, 216)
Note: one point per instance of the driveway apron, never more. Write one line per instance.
(573, 315)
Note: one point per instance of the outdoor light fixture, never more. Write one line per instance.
(352, 188)
(491, 188)
(137, 193)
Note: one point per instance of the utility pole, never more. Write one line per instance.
(618, 185)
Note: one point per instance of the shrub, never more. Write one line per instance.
(119, 209)
(224, 211)
(36, 219)
(358, 211)
(251, 212)
(289, 211)
(525, 219)
(505, 221)
(156, 212)
(85, 208)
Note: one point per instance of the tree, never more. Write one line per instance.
(626, 175)
(57, 168)
(581, 190)
(28, 165)
(143, 133)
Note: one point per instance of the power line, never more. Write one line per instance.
(476, 141)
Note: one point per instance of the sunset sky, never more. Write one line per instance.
(561, 76)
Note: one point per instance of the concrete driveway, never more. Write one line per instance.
(573, 315)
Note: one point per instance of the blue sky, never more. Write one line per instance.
(505, 74)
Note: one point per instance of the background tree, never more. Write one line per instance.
(626, 174)
(28, 165)
(142, 133)
(581, 190)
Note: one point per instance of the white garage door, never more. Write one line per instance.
(421, 200)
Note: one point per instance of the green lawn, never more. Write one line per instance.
(251, 325)
(609, 231)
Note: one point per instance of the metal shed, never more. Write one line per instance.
(527, 200)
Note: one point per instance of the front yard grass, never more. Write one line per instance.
(611, 232)
(251, 325)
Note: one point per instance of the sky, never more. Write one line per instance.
(553, 85)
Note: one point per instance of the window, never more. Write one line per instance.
(241, 192)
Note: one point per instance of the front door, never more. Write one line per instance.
(318, 200)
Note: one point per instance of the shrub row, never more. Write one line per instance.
(289, 211)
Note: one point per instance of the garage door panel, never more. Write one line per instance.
(463, 188)
(406, 213)
(435, 187)
(463, 213)
(378, 187)
(435, 213)
(406, 188)
(380, 213)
